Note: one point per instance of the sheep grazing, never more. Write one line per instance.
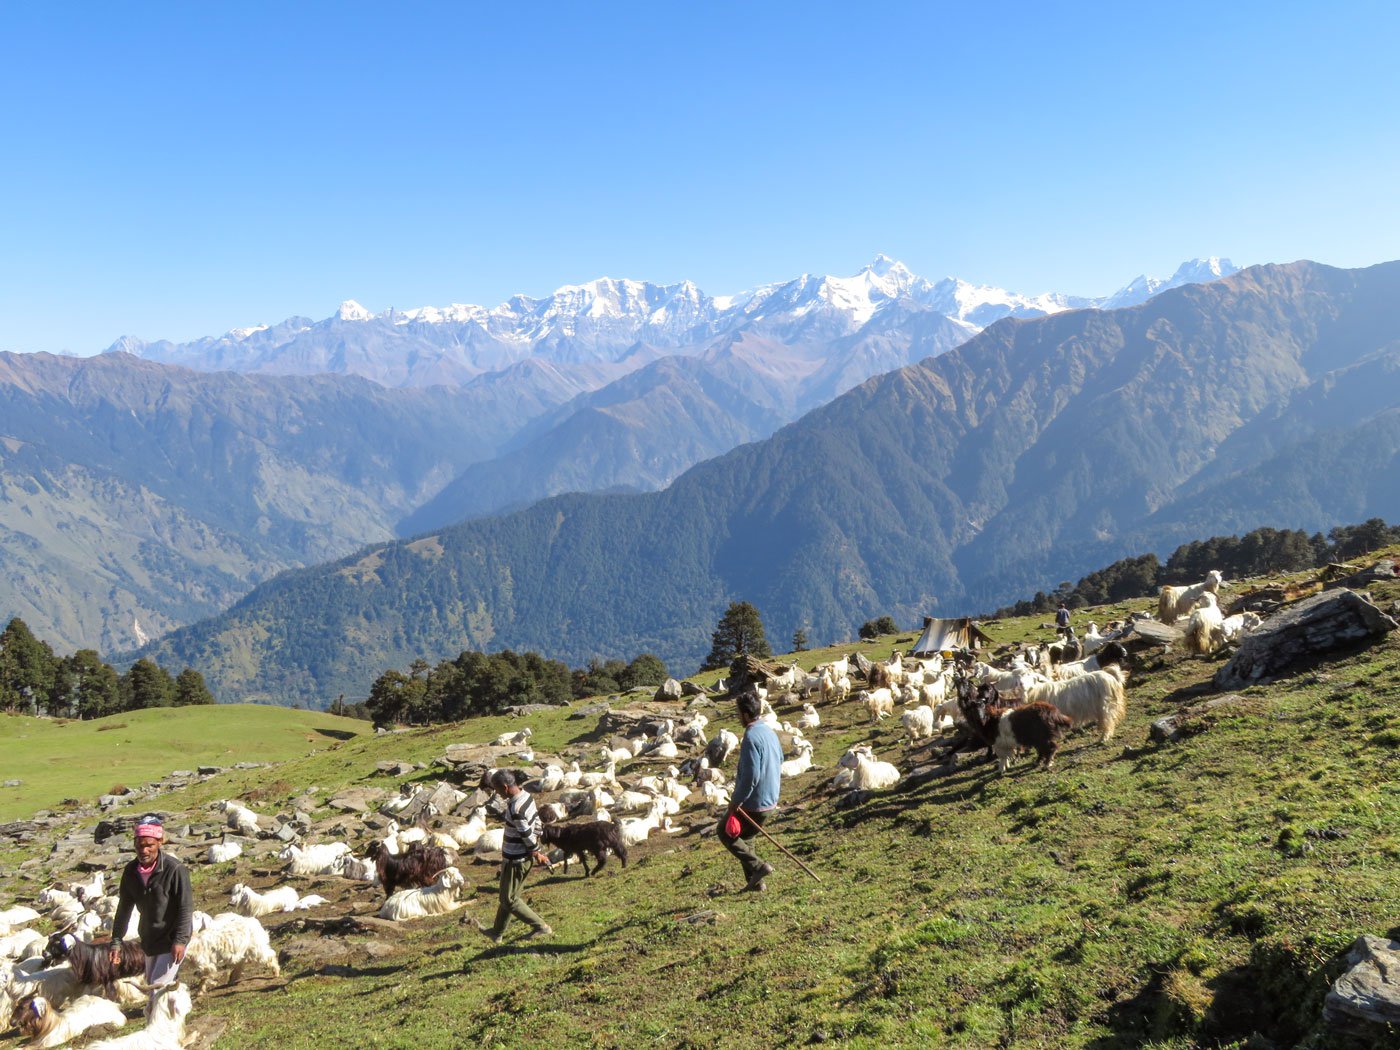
(1035, 725)
(45, 1027)
(418, 867)
(313, 860)
(880, 702)
(92, 963)
(598, 837)
(221, 852)
(247, 901)
(165, 1023)
(224, 948)
(439, 898)
(867, 772)
(519, 739)
(1097, 697)
(1175, 602)
(1205, 630)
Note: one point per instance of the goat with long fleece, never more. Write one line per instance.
(1110, 654)
(88, 891)
(919, 722)
(1205, 630)
(226, 948)
(598, 837)
(1007, 731)
(880, 702)
(240, 817)
(319, 859)
(868, 773)
(1096, 697)
(46, 1026)
(417, 867)
(1175, 602)
(518, 739)
(57, 984)
(221, 852)
(92, 963)
(165, 1023)
(247, 901)
(439, 898)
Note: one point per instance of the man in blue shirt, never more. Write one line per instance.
(755, 789)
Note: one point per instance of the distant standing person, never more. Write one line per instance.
(521, 851)
(158, 886)
(756, 786)
(1062, 621)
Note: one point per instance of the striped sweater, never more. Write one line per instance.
(522, 826)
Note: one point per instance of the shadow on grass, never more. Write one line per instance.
(337, 734)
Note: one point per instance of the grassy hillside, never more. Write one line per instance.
(57, 760)
(1137, 896)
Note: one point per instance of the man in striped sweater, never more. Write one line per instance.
(521, 850)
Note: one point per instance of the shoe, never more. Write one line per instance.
(485, 931)
(540, 931)
(755, 883)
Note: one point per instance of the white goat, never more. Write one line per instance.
(165, 1023)
(1096, 697)
(810, 719)
(1205, 630)
(488, 847)
(918, 722)
(46, 1027)
(635, 830)
(12, 918)
(515, 739)
(801, 762)
(225, 947)
(22, 944)
(1175, 602)
(439, 898)
(221, 852)
(320, 859)
(240, 817)
(1236, 627)
(58, 984)
(358, 869)
(466, 835)
(880, 702)
(90, 890)
(867, 772)
(247, 901)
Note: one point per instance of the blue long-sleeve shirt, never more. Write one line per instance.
(760, 772)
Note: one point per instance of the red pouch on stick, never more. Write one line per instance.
(732, 827)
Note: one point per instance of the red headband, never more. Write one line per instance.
(150, 831)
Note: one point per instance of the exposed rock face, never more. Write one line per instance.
(1312, 627)
(1367, 997)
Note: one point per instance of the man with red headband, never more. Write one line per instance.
(158, 886)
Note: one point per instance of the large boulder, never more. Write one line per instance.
(1366, 999)
(668, 690)
(1306, 630)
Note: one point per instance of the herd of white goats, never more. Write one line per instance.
(57, 985)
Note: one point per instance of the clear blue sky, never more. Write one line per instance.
(175, 170)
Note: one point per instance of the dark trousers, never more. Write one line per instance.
(512, 883)
(739, 845)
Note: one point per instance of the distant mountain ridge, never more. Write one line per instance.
(604, 319)
(1035, 451)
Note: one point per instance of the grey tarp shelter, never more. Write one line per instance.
(940, 635)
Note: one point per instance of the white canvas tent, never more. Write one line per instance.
(942, 635)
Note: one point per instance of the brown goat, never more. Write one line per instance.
(417, 866)
(598, 837)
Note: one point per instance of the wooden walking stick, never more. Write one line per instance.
(742, 812)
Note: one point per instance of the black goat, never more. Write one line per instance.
(598, 837)
(419, 865)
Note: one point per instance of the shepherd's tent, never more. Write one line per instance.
(941, 635)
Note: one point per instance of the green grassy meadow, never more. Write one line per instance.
(1193, 894)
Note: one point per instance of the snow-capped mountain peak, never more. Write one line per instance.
(353, 311)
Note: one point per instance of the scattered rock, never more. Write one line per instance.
(1384, 570)
(349, 805)
(590, 711)
(1313, 627)
(13, 783)
(1199, 717)
(1147, 634)
(181, 774)
(689, 688)
(668, 690)
(209, 771)
(705, 917)
(1366, 999)
(394, 769)
(520, 710)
